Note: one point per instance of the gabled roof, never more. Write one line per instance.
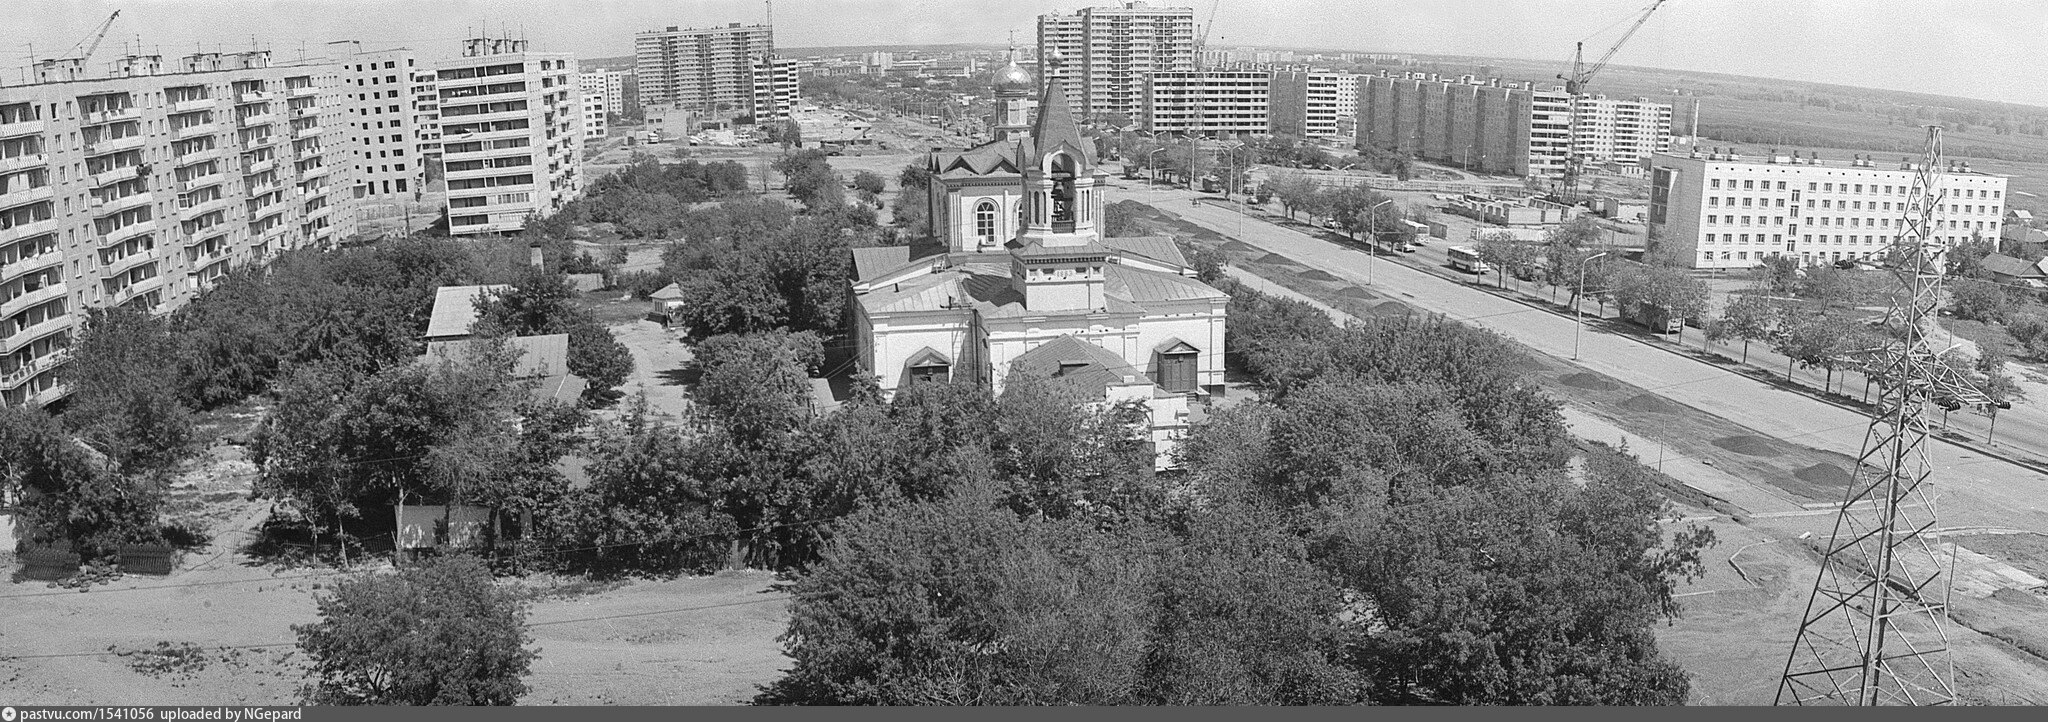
(991, 158)
(1141, 285)
(539, 356)
(928, 356)
(869, 263)
(1174, 345)
(670, 292)
(2005, 265)
(455, 309)
(1090, 366)
(1158, 248)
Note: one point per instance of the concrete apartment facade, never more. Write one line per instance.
(511, 134)
(1207, 102)
(142, 187)
(708, 70)
(1487, 126)
(1621, 130)
(426, 115)
(774, 88)
(604, 92)
(384, 124)
(1725, 210)
(1105, 54)
(1313, 104)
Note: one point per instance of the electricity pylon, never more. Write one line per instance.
(1873, 633)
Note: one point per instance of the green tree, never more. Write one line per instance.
(869, 181)
(70, 496)
(1979, 300)
(1748, 317)
(437, 633)
(124, 380)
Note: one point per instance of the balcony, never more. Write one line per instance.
(255, 120)
(201, 154)
(132, 230)
(23, 161)
(137, 289)
(109, 206)
(49, 292)
(200, 181)
(28, 230)
(102, 117)
(196, 104)
(304, 91)
(21, 127)
(252, 167)
(306, 111)
(192, 211)
(254, 96)
(490, 172)
(194, 131)
(113, 145)
(126, 263)
(308, 132)
(313, 172)
(27, 195)
(41, 260)
(319, 213)
(484, 117)
(506, 96)
(262, 187)
(46, 362)
(50, 395)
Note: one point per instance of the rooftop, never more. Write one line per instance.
(455, 310)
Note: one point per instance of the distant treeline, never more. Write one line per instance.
(1761, 139)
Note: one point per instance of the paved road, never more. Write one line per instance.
(1975, 490)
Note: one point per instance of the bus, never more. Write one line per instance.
(1465, 259)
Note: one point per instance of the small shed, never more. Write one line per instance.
(667, 301)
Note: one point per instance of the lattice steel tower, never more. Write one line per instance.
(1873, 629)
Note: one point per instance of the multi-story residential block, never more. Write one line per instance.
(1721, 209)
(1487, 126)
(1313, 104)
(609, 85)
(1207, 102)
(426, 115)
(1105, 54)
(384, 123)
(1620, 130)
(142, 187)
(511, 134)
(774, 88)
(712, 71)
(595, 108)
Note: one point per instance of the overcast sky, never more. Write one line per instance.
(1988, 49)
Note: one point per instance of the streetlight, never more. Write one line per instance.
(1579, 305)
(1373, 250)
(1151, 159)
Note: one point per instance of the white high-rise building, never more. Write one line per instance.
(1312, 104)
(1104, 54)
(511, 134)
(1621, 130)
(711, 71)
(144, 186)
(384, 123)
(1721, 209)
(603, 91)
(1207, 102)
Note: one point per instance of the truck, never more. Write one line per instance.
(1657, 317)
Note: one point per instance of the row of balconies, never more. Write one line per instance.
(101, 117)
(104, 146)
(27, 195)
(24, 161)
(195, 104)
(31, 299)
(103, 206)
(30, 229)
(32, 126)
(37, 365)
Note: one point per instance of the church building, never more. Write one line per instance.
(1017, 274)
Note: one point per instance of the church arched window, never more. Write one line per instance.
(1062, 167)
(985, 221)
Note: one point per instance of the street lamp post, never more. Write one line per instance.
(1152, 159)
(1579, 305)
(1372, 249)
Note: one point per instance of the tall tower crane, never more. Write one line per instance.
(1872, 631)
(1575, 86)
(92, 42)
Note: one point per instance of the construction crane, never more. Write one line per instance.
(92, 42)
(1575, 86)
(1872, 632)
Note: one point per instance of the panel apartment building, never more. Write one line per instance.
(720, 73)
(1487, 126)
(142, 186)
(1722, 209)
(1621, 130)
(604, 92)
(1314, 104)
(382, 99)
(511, 134)
(1207, 102)
(1105, 54)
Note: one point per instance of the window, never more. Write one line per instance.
(1715, 184)
(985, 221)
(1749, 185)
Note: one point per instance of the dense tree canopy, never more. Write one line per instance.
(437, 633)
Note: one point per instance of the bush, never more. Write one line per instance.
(440, 633)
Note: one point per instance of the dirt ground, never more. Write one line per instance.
(218, 630)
